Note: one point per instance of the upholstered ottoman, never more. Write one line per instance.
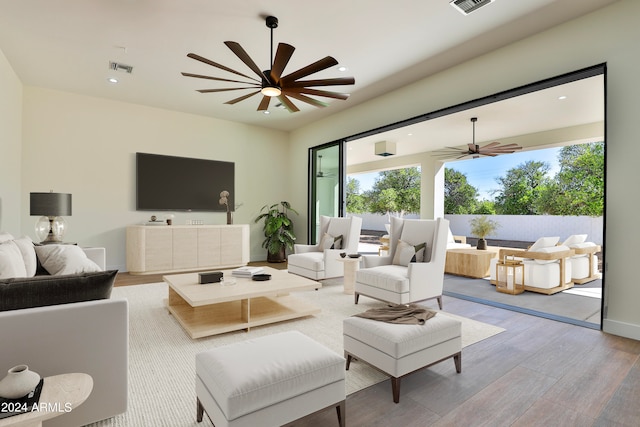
(269, 381)
(399, 350)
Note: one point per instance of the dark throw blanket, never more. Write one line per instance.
(410, 314)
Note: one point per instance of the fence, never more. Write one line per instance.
(526, 228)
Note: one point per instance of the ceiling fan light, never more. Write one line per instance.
(271, 91)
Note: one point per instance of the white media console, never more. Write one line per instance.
(179, 248)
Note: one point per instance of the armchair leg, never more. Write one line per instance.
(199, 410)
(356, 296)
(440, 302)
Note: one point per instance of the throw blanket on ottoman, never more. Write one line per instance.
(410, 314)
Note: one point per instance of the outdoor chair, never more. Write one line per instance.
(584, 264)
(413, 270)
(320, 261)
(456, 242)
(547, 268)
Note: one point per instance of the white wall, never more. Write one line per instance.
(10, 147)
(86, 146)
(608, 35)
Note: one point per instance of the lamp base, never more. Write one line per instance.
(50, 229)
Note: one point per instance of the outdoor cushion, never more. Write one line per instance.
(390, 277)
(581, 246)
(544, 242)
(575, 239)
(552, 249)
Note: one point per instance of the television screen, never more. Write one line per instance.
(169, 183)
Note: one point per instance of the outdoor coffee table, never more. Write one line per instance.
(211, 309)
(470, 262)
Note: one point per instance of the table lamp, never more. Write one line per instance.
(52, 206)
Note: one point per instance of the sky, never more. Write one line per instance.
(482, 172)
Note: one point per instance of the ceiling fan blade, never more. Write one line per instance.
(283, 55)
(200, 76)
(326, 94)
(215, 64)
(491, 144)
(319, 65)
(242, 98)
(322, 82)
(264, 104)
(222, 90)
(288, 104)
(244, 57)
(306, 99)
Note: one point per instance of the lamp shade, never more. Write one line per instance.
(50, 204)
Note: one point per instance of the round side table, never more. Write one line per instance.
(60, 394)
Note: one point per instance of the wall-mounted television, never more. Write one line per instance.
(169, 183)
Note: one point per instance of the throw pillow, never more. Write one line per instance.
(28, 252)
(65, 259)
(11, 262)
(406, 253)
(543, 242)
(330, 242)
(5, 237)
(574, 240)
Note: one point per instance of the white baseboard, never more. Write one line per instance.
(627, 330)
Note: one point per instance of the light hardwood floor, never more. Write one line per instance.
(538, 372)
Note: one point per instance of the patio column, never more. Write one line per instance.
(431, 187)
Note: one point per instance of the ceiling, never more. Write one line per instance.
(67, 45)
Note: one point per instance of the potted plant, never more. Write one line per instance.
(481, 227)
(278, 230)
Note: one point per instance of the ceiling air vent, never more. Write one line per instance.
(468, 6)
(116, 66)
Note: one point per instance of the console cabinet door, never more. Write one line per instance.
(158, 248)
(231, 240)
(185, 248)
(208, 247)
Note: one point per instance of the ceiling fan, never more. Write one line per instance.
(321, 173)
(270, 83)
(492, 149)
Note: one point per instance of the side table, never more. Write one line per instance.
(351, 265)
(60, 394)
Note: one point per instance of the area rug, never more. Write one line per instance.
(162, 356)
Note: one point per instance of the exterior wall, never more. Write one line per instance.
(528, 228)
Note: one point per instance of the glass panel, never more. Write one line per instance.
(326, 186)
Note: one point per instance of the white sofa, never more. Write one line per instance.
(67, 323)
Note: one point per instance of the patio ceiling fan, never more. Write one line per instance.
(492, 149)
(270, 83)
(321, 173)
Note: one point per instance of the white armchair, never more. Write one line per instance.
(320, 261)
(409, 273)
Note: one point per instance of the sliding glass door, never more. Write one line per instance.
(326, 185)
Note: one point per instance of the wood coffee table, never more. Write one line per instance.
(212, 309)
(470, 262)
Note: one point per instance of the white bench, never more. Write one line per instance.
(269, 381)
(399, 350)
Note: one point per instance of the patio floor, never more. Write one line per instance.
(567, 306)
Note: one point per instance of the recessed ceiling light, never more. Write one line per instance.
(267, 112)
(562, 97)
(342, 68)
(112, 80)
(409, 134)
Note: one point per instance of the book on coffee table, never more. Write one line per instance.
(247, 271)
(10, 407)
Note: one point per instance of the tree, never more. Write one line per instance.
(460, 197)
(355, 201)
(578, 188)
(396, 191)
(522, 186)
